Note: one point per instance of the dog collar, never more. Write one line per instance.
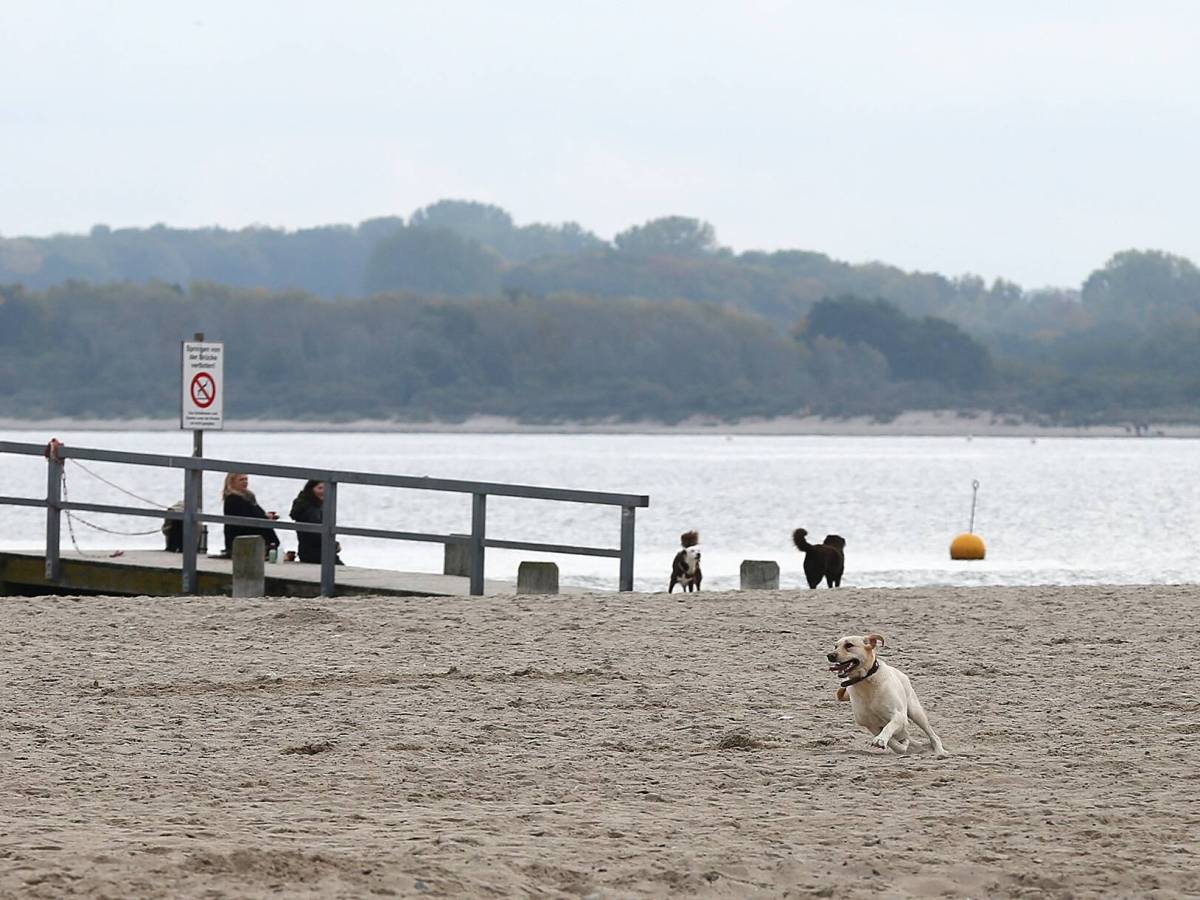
(849, 681)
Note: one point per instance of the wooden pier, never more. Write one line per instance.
(139, 573)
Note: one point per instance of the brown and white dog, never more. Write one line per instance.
(881, 697)
(685, 570)
(824, 560)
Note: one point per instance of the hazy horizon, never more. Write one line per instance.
(1029, 143)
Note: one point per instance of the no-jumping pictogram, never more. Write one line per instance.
(204, 390)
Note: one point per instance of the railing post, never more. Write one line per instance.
(478, 529)
(328, 539)
(191, 504)
(626, 549)
(54, 469)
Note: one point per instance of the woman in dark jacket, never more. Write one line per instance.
(309, 507)
(240, 501)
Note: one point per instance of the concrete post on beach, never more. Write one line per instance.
(537, 578)
(54, 474)
(760, 575)
(457, 558)
(249, 579)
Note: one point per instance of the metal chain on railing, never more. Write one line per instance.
(71, 517)
(100, 477)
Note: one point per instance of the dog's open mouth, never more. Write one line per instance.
(843, 668)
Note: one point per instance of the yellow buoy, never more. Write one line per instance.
(967, 546)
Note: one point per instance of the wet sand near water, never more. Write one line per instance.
(606, 745)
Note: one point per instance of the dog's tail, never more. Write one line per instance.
(689, 539)
(800, 539)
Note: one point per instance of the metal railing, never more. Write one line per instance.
(193, 467)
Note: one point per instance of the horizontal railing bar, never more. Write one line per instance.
(340, 530)
(22, 448)
(123, 510)
(255, 522)
(550, 548)
(404, 535)
(422, 483)
(251, 521)
(22, 501)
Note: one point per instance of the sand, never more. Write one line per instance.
(574, 746)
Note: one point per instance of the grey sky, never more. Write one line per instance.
(1029, 140)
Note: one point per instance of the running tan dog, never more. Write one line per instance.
(882, 698)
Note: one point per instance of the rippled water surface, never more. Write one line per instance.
(1052, 511)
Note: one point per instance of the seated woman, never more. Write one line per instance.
(240, 501)
(309, 507)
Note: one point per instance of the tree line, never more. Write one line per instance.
(458, 309)
(113, 350)
(463, 248)
(80, 349)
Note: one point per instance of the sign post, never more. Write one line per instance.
(203, 400)
(202, 406)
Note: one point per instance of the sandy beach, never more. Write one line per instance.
(606, 746)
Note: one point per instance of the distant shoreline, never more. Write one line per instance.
(910, 424)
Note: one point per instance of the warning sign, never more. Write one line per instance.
(203, 380)
(204, 390)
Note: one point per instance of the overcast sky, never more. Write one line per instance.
(1029, 140)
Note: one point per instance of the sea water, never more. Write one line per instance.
(1051, 510)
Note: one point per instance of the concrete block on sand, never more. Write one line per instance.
(248, 568)
(760, 575)
(537, 578)
(457, 559)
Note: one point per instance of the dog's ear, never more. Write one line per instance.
(873, 640)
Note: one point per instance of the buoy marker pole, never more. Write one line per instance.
(969, 545)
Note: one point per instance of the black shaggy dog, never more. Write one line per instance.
(685, 570)
(824, 560)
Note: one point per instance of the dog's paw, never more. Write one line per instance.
(878, 743)
(843, 694)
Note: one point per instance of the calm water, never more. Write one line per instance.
(1054, 511)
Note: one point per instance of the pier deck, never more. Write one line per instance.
(157, 573)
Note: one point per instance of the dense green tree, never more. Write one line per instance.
(915, 349)
(492, 227)
(1144, 289)
(18, 316)
(480, 222)
(432, 261)
(669, 236)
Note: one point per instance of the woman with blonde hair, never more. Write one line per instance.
(240, 501)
